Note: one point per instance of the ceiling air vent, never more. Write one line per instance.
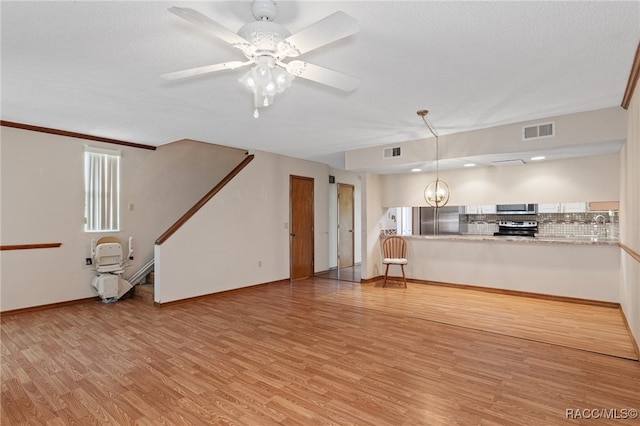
(539, 131)
(392, 152)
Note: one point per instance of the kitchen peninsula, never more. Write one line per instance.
(581, 268)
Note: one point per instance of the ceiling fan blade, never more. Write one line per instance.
(212, 26)
(205, 70)
(325, 31)
(322, 75)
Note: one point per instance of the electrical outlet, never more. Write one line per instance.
(88, 261)
(259, 263)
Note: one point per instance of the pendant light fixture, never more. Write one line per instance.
(436, 194)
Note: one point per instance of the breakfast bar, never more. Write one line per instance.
(575, 267)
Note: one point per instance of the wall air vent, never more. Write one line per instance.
(539, 131)
(508, 163)
(392, 152)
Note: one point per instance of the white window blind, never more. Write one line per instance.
(102, 189)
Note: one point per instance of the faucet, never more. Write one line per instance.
(596, 221)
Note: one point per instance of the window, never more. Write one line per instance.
(101, 189)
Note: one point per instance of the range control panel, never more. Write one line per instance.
(518, 224)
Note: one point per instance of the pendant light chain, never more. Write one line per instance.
(423, 114)
(440, 195)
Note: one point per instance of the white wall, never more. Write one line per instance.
(372, 213)
(246, 223)
(42, 178)
(582, 128)
(630, 219)
(580, 179)
(348, 178)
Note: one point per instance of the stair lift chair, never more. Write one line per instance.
(108, 258)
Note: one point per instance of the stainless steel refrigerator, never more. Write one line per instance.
(441, 221)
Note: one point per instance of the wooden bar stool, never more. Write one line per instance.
(394, 252)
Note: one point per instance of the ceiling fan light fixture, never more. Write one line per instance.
(267, 44)
(266, 80)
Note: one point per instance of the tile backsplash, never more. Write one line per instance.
(549, 224)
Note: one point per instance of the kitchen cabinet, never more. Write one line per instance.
(602, 206)
(574, 207)
(488, 209)
(562, 207)
(472, 209)
(483, 209)
(549, 208)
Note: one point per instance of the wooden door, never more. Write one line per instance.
(301, 227)
(345, 225)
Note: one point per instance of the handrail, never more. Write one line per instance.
(634, 77)
(630, 251)
(30, 246)
(72, 134)
(169, 232)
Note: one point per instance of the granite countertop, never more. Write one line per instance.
(572, 240)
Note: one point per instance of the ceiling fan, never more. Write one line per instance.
(267, 44)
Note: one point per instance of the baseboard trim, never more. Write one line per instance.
(633, 339)
(504, 291)
(217, 294)
(49, 306)
(523, 294)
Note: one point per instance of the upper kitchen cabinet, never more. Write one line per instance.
(562, 207)
(484, 209)
(472, 209)
(602, 206)
(549, 208)
(488, 209)
(573, 207)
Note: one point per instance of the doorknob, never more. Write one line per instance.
(293, 234)
(350, 230)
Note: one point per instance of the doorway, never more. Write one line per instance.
(301, 232)
(345, 226)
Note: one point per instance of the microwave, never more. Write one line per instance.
(516, 209)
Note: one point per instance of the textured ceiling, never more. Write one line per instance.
(94, 68)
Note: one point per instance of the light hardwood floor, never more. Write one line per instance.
(348, 273)
(589, 327)
(297, 353)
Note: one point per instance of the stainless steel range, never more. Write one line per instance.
(522, 228)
